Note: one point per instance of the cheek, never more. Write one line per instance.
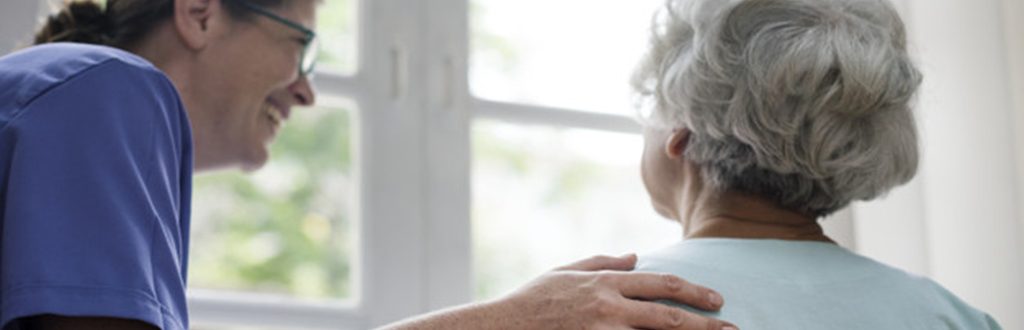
(276, 73)
(271, 71)
(650, 172)
(285, 66)
(645, 170)
(655, 184)
(659, 174)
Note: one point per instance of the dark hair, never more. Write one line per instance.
(120, 23)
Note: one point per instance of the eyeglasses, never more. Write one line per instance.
(310, 45)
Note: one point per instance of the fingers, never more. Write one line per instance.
(650, 315)
(651, 286)
(623, 263)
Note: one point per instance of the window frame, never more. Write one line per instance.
(415, 111)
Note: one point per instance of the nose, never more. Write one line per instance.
(302, 91)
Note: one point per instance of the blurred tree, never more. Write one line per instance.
(284, 229)
(336, 28)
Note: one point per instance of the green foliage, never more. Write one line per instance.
(286, 228)
(497, 51)
(524, 168)
(336, 28)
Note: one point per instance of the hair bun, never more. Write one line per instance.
(78, 21)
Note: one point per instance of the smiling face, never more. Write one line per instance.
(250, 81)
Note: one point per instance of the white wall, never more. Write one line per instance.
(958, 222)
(1013, 20)
(17, 22)
(969, 152)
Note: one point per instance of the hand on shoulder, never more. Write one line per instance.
(601, 293)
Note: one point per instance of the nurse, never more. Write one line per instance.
(99, 140)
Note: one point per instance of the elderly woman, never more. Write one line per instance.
(767, 115)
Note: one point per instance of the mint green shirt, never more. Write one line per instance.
(773, 284)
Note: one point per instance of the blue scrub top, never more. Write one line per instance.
(95, 183)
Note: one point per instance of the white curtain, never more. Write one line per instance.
(17, 21)
(959, 221)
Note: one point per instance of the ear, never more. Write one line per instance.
(192, 19)
(677, 143)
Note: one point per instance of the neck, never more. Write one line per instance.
(707, 214)
(166, 52)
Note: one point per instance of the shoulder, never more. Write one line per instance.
(959, 312)
(93, 86)
(84, 97)
(33, 72)
(63, 59)
(755, 275)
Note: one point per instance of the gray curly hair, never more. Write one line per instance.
(805, 102)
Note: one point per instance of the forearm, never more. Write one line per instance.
(499, 314)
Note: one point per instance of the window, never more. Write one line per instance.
(546, 196)
(555, 152)
(572, 54)
(337, 29)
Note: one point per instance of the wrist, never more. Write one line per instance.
(506, 312)
(504, 308)
(497, 314)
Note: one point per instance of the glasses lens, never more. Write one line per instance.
(309, 56)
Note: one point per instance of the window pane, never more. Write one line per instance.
(285, 229)
(337, 27)
(543, 197)
(569, 53)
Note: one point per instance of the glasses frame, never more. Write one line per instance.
(305, 69)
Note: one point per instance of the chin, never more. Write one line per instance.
(255, 160)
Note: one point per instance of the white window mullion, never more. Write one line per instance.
(392, 207)
(447, 153)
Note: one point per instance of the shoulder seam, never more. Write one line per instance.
(27, 103)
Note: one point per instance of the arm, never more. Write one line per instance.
(96, 203)
(592, 293)
(55, 322)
